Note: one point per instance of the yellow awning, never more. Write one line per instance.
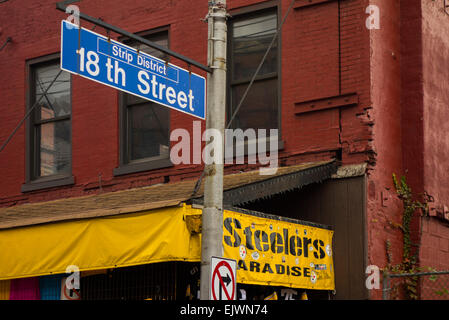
(98, 243)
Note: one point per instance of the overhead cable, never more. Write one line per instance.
(29, 112)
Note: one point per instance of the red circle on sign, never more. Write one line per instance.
(216, 273)
(69, 297)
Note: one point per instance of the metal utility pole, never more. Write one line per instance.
(212, 217)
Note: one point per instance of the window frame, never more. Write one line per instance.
(34, 181)
(248, 12)
(146, 164)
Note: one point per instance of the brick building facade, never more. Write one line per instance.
(371, 99)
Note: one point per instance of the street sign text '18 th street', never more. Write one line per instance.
(112, 63)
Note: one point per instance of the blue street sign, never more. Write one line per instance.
(112, 63)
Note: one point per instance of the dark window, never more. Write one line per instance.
(155, 281)
(250, 36)
(144, 137)
(49, 146)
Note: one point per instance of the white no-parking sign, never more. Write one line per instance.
(223, 279)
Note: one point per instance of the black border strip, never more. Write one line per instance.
(278, 218)
(272, 186)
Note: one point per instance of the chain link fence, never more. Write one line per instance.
(416, 286)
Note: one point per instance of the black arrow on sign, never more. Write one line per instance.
(226, 280)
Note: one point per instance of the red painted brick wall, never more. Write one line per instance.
(383, 208)
(356, 123)
(410, 140)
(311, 35)
(434, 249)
(435, 46)
(412, 102)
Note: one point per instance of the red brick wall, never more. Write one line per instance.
(434, 249)
(410, 140)
(435, 46)
(311, 35)
(434, 255)
(412, 102)
(330, 56)
(356, 123)
(384, 210)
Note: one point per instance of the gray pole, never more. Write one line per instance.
(212, 217)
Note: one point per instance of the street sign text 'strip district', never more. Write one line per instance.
(112, 63)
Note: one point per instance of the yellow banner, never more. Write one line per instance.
(278, 253)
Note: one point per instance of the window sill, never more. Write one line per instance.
(47, 182)
(247, 152)
(135, 167)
